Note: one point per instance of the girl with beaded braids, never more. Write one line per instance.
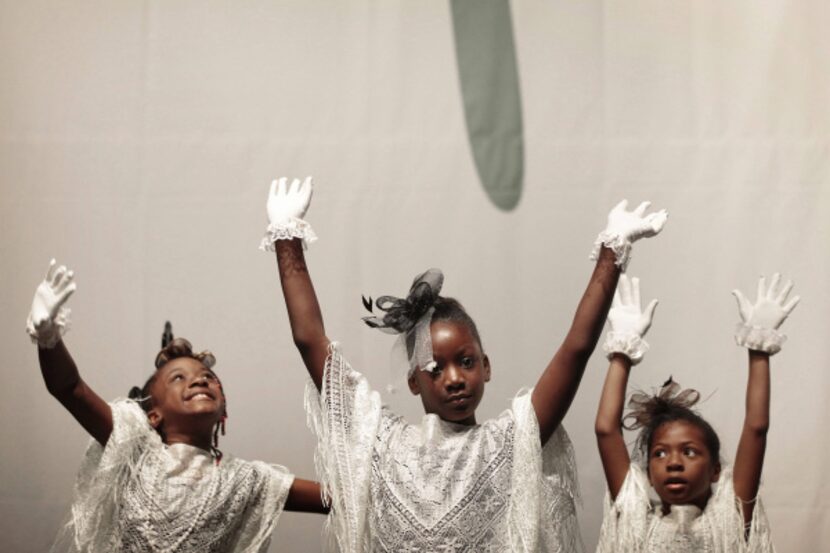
(153, 478)
(703, 506)
(449, 483)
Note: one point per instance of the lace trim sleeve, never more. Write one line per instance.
(265, 509)
(625, 521)
(103, 473)
(345, 417)
(726, 512)
(545, 488)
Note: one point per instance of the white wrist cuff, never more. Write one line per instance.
(49, 335)
(287, 230)
(758, 338)
(628, 344)
(621, 247)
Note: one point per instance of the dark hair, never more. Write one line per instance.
(451, 310)
(176, 348)
(670, 404)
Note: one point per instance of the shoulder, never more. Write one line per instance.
(129, 421)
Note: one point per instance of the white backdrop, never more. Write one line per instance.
(138, 138)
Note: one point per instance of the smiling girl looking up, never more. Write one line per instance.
(153, 478)
(703, 506)
(450, 483)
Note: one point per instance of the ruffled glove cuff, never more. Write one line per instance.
(758, 338)
(620, 245)
(48, 335)
(630, 345)
(287, 230)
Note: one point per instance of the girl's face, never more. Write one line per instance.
(187, 395)
(454, 388)
(680, 466)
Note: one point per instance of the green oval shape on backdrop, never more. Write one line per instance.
(487, 69)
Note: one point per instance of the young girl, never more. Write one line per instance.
(449, 483)
(153, 478)
(703, 506)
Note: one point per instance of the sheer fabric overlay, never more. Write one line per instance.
(633, 524)
(139, 495)
(438, 486)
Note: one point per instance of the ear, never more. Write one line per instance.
(486, 363)
(155, 418)
(716, 472)
(412, 381)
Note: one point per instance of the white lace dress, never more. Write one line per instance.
(139, 495)
(438, 486)
(635, 524)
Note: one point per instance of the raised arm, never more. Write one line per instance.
(286, 233)
(625, 346)
(758, 333)
(46, 325)
(558, 384)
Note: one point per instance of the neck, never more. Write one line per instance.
(202, 441)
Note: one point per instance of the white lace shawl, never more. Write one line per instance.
(438, 486)
(633, 524)
(139, 495)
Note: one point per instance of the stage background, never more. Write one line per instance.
(138, 140)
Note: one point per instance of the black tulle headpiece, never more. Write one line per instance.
(645, 408)
(410, 317)
(402, 314)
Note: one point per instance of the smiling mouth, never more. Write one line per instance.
(201, 396)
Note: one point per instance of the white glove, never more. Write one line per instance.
(758, 329)
(48, 319)
(286, 207)
(629, 323)
(625, 227)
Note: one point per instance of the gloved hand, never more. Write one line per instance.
(629, 323)
(48, 319)
(286, 206)
(758, 329)
(625, 227)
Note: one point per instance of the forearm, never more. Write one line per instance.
(749, 460)
(64, 382)
(592, 310)
(60, 374)
(608, 426)
(758, 393)
(305, 497)
(612, 399)
(304, 313)
(558, 384)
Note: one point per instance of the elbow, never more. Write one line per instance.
(757, 428)
(605, 429)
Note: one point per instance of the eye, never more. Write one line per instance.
(467, 362)
(209, 376)
(690, 452)
(658, 453)
(176, 377)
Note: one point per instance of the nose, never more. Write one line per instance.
(454, 379)
(675, 463)
(199, 381)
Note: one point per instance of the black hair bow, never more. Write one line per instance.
(401, 314)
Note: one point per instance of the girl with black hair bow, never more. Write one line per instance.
(703, 506)
(449, 483)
